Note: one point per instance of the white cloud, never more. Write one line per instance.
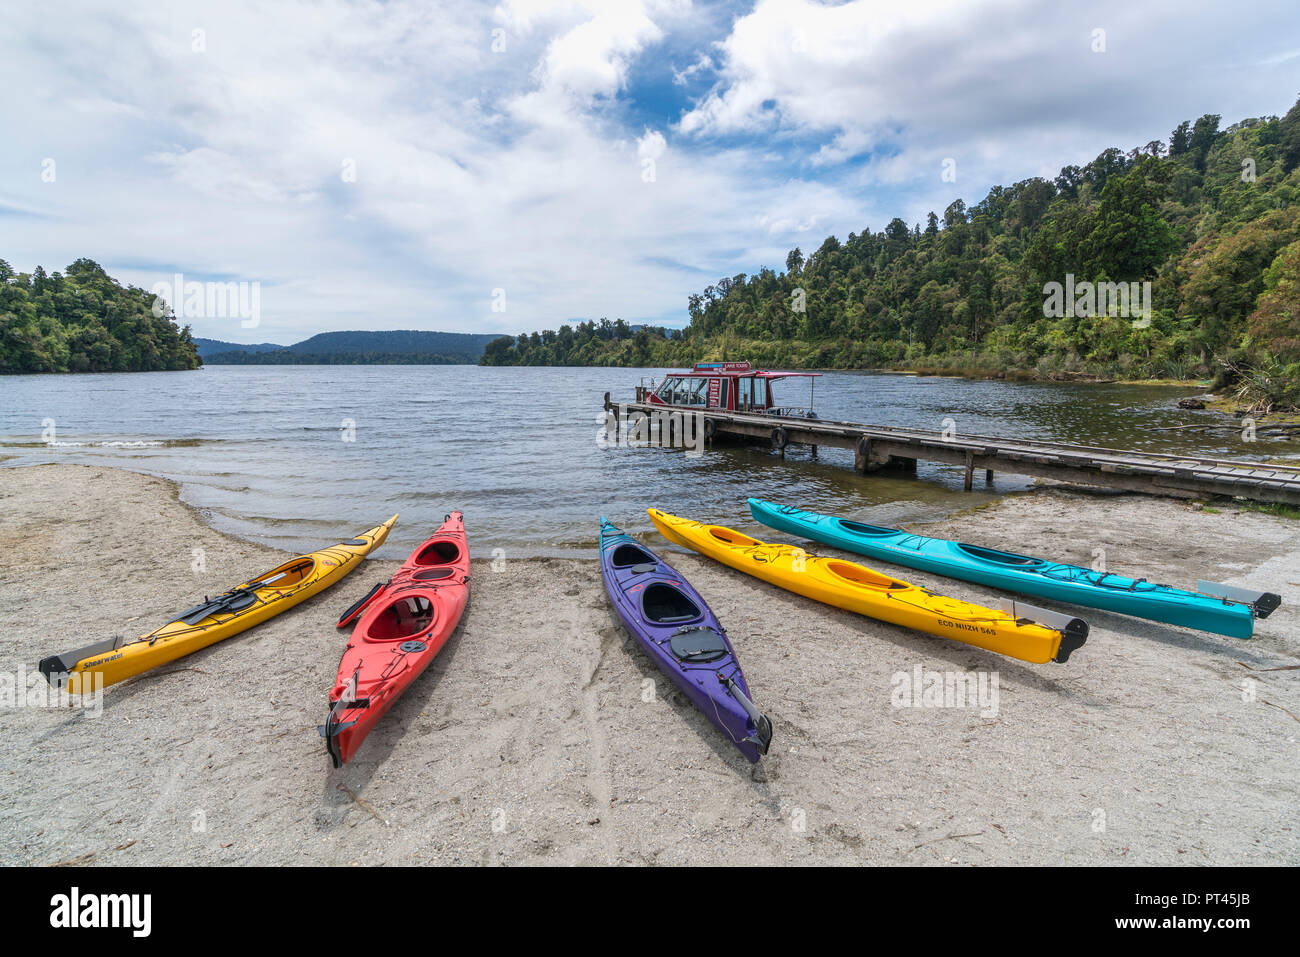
(816, 66)
(597, 41)
(1007, 87)
(477, 169)
(592, 58)
(702, 65)
(652, 145)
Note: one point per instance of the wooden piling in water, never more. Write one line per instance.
(862, 456)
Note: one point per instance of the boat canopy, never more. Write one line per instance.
(727, 386)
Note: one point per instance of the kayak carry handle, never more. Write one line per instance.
(1074, 631)
(348, 616)
(1262, 603)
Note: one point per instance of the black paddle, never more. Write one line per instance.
(350, 615)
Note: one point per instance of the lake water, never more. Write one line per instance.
(261, 450)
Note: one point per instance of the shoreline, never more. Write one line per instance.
(537, 736)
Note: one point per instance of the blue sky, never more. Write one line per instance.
(587, 158)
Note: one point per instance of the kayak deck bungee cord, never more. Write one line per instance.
(1016, 630)
(247, 604)
(1214, 607)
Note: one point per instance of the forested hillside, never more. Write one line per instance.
(390, 347)
(211, 347)
(83, 320)
(1210, 218)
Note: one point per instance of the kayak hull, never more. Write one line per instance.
(856, 588)
(683, 638)
(403, 626)
(1016, 573)
(247, 604)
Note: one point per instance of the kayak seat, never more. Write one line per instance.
(402, 619)
(628, 554)
(697, 644)
(438, 553)
(665, 605)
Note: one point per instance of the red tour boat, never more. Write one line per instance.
(726, 387)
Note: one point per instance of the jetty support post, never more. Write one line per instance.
(988, 476)
(862, 455)
(970, 470)
(617, 425)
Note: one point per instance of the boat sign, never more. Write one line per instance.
(722, 366)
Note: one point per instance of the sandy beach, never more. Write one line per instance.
(542, 735)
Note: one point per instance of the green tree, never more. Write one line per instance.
(82, 320)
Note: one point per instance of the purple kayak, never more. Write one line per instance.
(678, 631)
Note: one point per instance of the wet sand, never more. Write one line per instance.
(542, 735)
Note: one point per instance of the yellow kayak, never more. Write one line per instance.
(244, 606)
(1020, 631)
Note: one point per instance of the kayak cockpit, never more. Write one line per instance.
(858, 528)
(438, 553)
(729, 536)
(627, 554)
(663, 604)
(858, 575)
(286, 576)
(1001, 558)
(403, 618)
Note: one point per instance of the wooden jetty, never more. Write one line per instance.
(883, 447)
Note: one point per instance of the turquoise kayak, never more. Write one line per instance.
(1222, 609)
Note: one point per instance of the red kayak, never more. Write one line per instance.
(404, 624)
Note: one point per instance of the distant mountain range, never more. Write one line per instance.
(211, 347)
(393, 347)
